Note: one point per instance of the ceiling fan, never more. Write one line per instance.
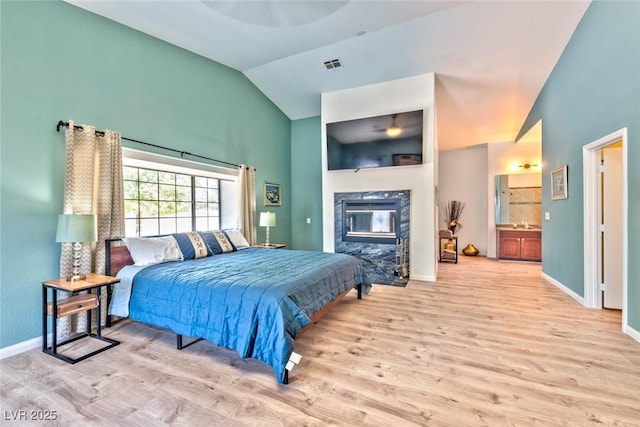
(404, 125)
(393, 130)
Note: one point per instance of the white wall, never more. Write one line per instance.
(525, 179)
(414, 93)
(462, 177)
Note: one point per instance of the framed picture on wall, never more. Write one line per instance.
(559, 185)
(271, 194)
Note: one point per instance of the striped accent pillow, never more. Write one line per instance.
(223, 242)
(217, 241)
(192, 245)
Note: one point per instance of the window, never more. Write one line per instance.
(162, 198)
(207, 201)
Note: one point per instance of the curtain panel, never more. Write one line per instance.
(92, 185)
(247, 203)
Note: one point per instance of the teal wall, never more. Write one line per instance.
(306, 184)
(61, 62)
(593, 91)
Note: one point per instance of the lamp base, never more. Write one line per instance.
(77, 264)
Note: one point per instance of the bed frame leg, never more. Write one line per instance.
(359, 288)
(179, 344)
(293, 361)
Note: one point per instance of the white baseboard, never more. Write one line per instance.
(563, 288)
(631, 332)
(422, 278)
(625, 328)
(21, 347)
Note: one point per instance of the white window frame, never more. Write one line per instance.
(228, 177)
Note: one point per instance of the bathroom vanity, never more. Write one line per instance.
(519, 244)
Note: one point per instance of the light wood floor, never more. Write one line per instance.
(488, 344)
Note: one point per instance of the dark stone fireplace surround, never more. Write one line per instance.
(379, 258)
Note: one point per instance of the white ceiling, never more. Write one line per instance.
(491, 58)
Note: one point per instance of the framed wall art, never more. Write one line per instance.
(559, 184)
(271, 194)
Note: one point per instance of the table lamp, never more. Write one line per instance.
(267, 219)
(77, 229)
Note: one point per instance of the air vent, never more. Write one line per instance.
(333, 63)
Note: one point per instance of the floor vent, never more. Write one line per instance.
(333, 63)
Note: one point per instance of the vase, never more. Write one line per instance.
(470, 250)
(450, 245)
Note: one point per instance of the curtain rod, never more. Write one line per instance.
(182, 153)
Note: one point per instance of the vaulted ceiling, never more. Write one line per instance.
(490, 58)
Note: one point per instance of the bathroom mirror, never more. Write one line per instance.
(518, 199)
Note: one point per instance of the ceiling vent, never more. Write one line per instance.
(333, 63)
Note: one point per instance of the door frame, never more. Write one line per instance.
(591, 192)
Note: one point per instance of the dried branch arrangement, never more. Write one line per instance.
(451, 213)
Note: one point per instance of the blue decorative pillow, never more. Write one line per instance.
(217, 241)
(192, 245)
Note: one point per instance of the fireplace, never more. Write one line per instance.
(371, 221)
(373, 226)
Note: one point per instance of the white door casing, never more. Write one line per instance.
(591, 192)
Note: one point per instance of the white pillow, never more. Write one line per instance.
(237, 239)
(153, 250)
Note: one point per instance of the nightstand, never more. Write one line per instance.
(76, 303)
(269, 246)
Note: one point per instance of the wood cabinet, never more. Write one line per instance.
(520, 245)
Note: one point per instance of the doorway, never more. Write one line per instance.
(597, 205)
(611, 226)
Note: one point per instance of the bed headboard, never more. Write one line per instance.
(117, 256)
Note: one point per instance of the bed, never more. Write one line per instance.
(252, 300)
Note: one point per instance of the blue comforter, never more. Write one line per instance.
(254, 301)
